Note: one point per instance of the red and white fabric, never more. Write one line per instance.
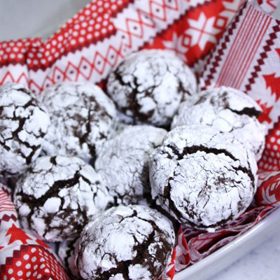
(23, 256)
(227, 42)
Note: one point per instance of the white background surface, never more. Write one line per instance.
(22, 18)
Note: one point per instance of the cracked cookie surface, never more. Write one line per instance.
(125, 243)
(82, 117)
(202, 177)
(228, 110)
(23, 125)
(123, 162)
(58, 196)
(149, 85)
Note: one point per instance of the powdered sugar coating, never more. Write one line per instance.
(149, 85)
(228, 110)
(126, 243)
(23, 124)
(58, 196)
(81, 115)
(123, 162)
(202, 177)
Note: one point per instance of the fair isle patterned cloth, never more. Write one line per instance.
(227, 42)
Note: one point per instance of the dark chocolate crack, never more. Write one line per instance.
(199, 148)
(143, 257)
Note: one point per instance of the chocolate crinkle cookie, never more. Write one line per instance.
(125, 243)
(23, 125)
(228, 110)
(58, 196)
(82, 117)
(149, 85)
(202, 177)
(123, 162)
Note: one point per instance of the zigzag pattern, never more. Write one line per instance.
(135, 25)
(214, 59)
(263, 56)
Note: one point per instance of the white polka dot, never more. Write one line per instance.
(39, 276)
(5, 56)
(103, 30)
(28, 274)
(82, 18)
(91, 22)
(15, 49)
(99, 19)
(96, 34)
(18, 263)
(111, 27)
(73, 42)
(13, 278)
(35, 62)
(34, 259)
(83, 32)
(5, 277)
(47, 270)
(84, 24)
(20, 273)
(35, 273)
(272, 139)
(28, 265)
(60, 38)
(8, 49)
(81, 39)
(42, 259)
(43, 61)
(12, 55)
(87, 12)
(10, 271)
(275, 147)
(77, 26)
(97, 25)
(90, 28)
(89, 36)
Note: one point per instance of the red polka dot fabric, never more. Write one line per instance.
(205, 34)
(22, 255)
